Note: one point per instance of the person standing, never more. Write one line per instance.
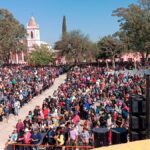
(73, 136)
(76, 119)
(66, 133)
(19, 126)
(51, 135)
(60, 138)
(85, 136)
(16, 107)
(27, 136)
(1, 113)
(6, 112)
(13, 137)
(35, 138)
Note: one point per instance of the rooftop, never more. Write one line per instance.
(32, 22)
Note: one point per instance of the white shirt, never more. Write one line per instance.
(17, 104)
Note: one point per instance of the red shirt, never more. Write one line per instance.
(115, 116)
(19, 126)
(46, 112)
(27, 138)
(76, 119)
(93, 80)
(61, 104)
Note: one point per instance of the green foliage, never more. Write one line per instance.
(76, 47)
(64, 28)
(109, 47)
(11, 35)
(135, 28)
(145, 4)
(40, 56)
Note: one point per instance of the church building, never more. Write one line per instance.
(33, 39)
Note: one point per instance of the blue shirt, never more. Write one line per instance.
(86, 106)
(36, 137)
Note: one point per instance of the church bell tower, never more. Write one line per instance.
(33, 32)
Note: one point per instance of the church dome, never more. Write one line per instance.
(32, 22)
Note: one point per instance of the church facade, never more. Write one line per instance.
(32, 39)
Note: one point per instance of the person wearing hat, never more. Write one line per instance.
(27, 136)
(50, 135)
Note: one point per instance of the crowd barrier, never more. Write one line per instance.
(16, 146)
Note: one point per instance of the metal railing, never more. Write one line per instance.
(17, 146)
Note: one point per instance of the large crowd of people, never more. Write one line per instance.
(89, 98)
(19, 84)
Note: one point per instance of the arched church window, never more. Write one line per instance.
(31, 35)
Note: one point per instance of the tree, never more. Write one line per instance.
(109, 47)
(11, 35)
(64, 28)
(145, 4)
(41, 55)
(76, 47)
(135, 28)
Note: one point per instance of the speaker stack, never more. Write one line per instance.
(119, 135)
(100, 137)
(147, 76)
(138, 117)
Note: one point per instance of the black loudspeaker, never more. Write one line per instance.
(141, 135)
(134, 136)
(100, 137)
(138, 105)
(119, 135)
(138, 123)
(142, 122)
(147, 75)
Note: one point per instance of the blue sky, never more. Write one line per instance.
(92, 17)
